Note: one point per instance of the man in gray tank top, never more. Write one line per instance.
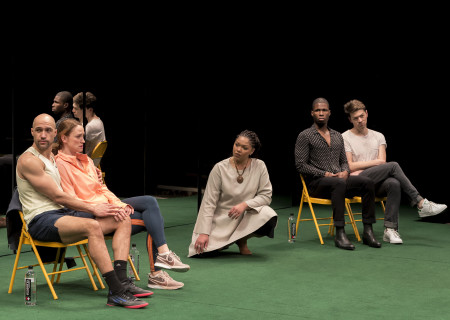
(52, 215)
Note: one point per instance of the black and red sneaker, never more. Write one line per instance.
(126, 300)
(129, 285)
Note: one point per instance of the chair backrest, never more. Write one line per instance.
(98, 152)
(305, 189)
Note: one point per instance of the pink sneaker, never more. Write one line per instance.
(171, 261)
(162, 280)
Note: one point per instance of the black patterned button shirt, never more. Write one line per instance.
(313, 156)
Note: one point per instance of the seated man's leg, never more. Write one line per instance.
(121, 237)
(391, 189)
(364, 187)
(63, 226)
(121, 249)
(392, 169)
(331, 188)
(69, 226)
(334, 188)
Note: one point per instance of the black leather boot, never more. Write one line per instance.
(369, 238)
(341, 240)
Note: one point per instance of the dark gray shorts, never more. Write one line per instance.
(42, 227)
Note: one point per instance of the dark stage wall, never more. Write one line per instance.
(167, 119)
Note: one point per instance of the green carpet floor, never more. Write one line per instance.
(303, 280)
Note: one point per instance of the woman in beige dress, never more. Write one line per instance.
(235, 205)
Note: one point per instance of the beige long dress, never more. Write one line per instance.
(223, 192)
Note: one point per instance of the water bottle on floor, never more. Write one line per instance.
(291, 228)
(30, 287)
(134, 255)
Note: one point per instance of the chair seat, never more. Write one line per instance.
(323, 201)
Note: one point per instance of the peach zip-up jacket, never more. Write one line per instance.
(82, 182)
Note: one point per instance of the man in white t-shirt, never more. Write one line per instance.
(95, 131)
(366, 155)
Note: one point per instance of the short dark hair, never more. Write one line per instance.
(319, 100)
(66, 97)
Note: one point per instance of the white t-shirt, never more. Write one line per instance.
(363, 148)
(95, 133)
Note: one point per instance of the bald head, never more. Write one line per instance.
(43, 132)
(44, 119)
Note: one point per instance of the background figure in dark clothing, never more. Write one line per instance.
(62, 106)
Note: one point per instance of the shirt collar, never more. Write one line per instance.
(72, 159)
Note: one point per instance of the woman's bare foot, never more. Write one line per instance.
(243, 249)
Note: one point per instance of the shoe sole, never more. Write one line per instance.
(393, 242)
(176, 269)
(140, 295)
(372, 245)
(128, 307)
(155, 286)
(344, 248)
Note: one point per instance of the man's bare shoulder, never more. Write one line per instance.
(28, 162)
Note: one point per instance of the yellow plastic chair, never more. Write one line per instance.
(25, 238)
(310, 200)
(97, 155)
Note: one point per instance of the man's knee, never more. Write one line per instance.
(339, 186)
(392, 185)
(93, 226)
(393, 165)
(366, 183)
(125, 223)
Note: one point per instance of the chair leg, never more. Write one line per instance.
(315, 222)
(16, 263)
(352, 221)
(87, 268)
(133, 268)
(94, 267)
(41, 264)
(382, 205)
(298, 216)
(59, 260)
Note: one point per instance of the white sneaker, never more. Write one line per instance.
(429, 208)
(392, 236)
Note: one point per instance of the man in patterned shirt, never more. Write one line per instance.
(320, 157)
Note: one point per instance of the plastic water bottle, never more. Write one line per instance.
(30, 287)
(291, 228)
(134, 255)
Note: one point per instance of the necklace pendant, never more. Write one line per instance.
(239, 179)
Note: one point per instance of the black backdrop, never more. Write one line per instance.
(170, 114)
